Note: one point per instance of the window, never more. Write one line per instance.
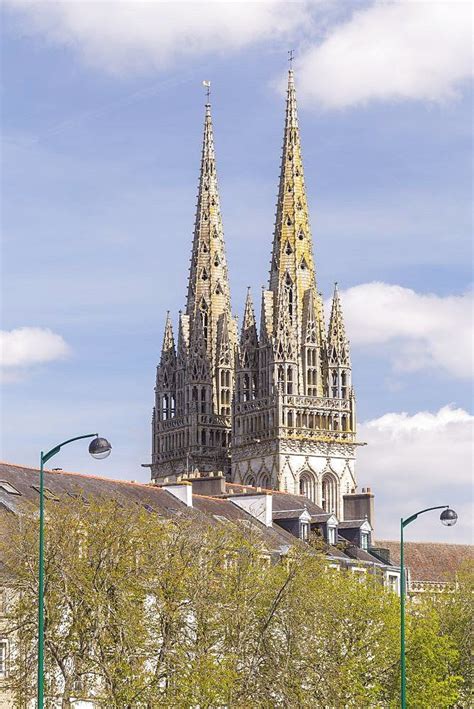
(331, 535)
(393, 582)
(364, 540)
(3, 658)
(304, 531)
(48, 494)
(7, 487)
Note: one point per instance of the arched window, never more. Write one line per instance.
(329, 493)
(307, 485)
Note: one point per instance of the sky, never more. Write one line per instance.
(102, 116)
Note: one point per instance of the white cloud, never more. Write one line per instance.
(26, 347)
(124, 37)
(419, 461)
(414, 330)
(390, 51)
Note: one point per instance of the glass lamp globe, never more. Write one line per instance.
(100, 448)
(448, 517)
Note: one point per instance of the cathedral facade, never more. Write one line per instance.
(275, 406)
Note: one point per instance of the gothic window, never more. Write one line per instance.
(172, 406)
(307, 485)
(254, 386)
(329, 493)
(288, 249)
(204, 275)
(290, 189)
(281, 376)
(301, 235)
(218, 290)
(216, 260)
(204, 247)
(288, 220)
(344, 385)
(164, 407)
(289, 380)
(203, 400)
(303, 264)
(246, 387)
(203, 437)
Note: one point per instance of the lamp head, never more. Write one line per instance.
(100, 448)
(448, 517)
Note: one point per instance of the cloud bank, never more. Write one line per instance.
(418, 461)
(390, 51)
(415, 330)
(28, 346)
(126, 37)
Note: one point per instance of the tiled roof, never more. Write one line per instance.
(430, 561)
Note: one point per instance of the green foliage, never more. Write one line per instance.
(143, 611)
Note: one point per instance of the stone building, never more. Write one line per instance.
(275, 408)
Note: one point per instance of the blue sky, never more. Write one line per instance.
(102, 125)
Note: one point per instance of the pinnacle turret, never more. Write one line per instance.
(168, 350)
(338, 344)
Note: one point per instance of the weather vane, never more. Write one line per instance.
(291, 56)
(207, 85)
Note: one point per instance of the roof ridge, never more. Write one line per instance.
(81, 475)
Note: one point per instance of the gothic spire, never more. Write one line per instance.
(248, 333)
(168, 350)
(338, 344)
(292, 244)
(208, 288)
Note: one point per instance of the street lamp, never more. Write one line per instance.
(448, 517)
(98, 448)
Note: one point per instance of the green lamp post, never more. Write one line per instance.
(448, 517)
(98, 448)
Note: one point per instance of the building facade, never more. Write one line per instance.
(276, 408)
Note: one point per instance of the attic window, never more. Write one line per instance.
(48, 494)
(7, 487)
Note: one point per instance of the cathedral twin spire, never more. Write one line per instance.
(196, 379)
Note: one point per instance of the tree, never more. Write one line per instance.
(146, 611)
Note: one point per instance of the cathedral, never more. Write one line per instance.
(270, 406)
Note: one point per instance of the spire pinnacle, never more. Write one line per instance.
(338, 343)
(168, 350)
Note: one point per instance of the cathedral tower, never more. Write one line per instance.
(294, 408)
(195, 382)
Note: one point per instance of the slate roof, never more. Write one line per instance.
(430, 561)
(152, 497)
(351, 523)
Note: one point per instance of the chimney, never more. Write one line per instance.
(359, 505)
(259, 506)
(212, 485)
(183, 491)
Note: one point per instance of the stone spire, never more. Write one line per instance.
(168, 350)
(248, 335)
(208, 289)
(338, 344)
(292, 256)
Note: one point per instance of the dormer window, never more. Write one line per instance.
(331, 535)
(304, 531)
(364, 540)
